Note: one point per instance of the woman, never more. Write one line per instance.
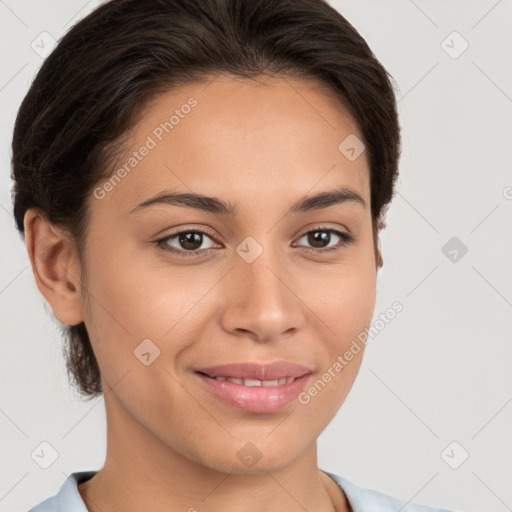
(201, 186)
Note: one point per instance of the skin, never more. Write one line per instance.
(172, 445)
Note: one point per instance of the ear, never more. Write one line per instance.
(55, 266)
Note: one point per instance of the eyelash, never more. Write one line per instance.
(346, 239)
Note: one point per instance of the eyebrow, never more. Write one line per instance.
(319, 201)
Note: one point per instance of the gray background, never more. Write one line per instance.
(439, 372)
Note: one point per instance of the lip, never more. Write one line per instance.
(269, 371)
(256, 399)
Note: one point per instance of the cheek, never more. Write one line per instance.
(132, 301)
(344, 299)
(141, 295)
(346, 307)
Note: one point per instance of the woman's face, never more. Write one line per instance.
(251, 286)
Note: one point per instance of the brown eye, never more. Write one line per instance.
(320, 239)
(190, 241)
(186, 242)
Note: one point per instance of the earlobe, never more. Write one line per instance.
(55, 267)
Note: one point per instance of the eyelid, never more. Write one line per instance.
(323, 227)
(192, 228)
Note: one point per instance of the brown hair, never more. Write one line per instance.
(86, 97)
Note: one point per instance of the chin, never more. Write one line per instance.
(253, 458)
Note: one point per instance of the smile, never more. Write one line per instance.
(254, 395)
(256, 382)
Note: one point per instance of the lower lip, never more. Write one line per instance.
(260, 399)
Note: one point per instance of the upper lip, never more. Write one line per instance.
(269, 371)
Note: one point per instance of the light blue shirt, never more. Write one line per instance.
(68, 498)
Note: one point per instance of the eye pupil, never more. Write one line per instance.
(190, 240)
(317, 238)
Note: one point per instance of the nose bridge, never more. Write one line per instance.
(261, 294)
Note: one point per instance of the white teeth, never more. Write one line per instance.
(256, 382)
(251, 382)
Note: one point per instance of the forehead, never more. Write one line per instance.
(244, 137)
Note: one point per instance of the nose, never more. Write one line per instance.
(262, 299)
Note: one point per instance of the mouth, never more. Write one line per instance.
(252, 374)
(252, 382)
(255, 388)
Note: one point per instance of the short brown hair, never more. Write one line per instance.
(88, 92)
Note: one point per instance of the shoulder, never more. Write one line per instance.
(68, 498)
(368, 500)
